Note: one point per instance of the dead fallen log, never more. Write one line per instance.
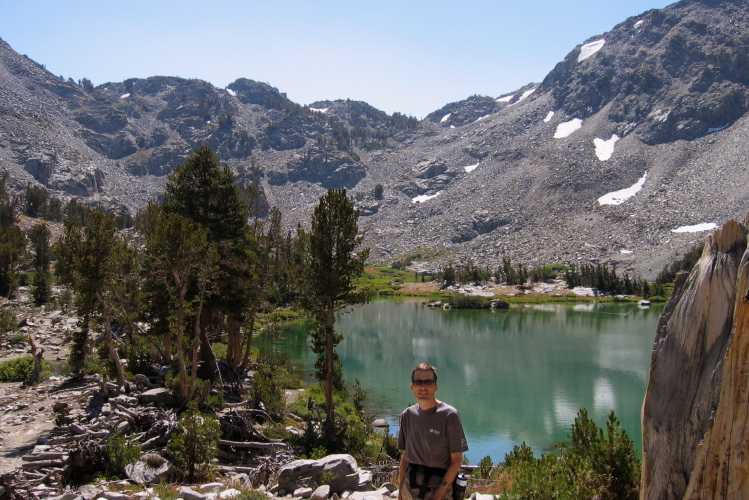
(43, 464)
(47, 455)
(76, 429)
(32, 476)
(124, 410)
(72, 389)
(119, 413)
(80, 437)
(259, 446)
(235, 405)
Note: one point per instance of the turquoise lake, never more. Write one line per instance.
(517, 375)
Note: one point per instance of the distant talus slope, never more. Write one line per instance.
(694, 432)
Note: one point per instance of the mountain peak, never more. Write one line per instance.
(624, 144)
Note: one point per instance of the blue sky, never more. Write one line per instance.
(411, 56)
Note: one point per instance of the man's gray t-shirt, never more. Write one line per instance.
(430, 436)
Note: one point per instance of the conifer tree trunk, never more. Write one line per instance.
(109, 340)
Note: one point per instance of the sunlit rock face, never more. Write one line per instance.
(694, 435)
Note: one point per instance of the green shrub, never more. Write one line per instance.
(8, 321)
(353, 434)
(219, 350)
(469, 302)
(390, 446)
(518, 455)
(166, 491)
(141, 362)
(484, 470)
(327, 477)
(195, 442)
(251, 495)
(592, 464)
(21, 369)
(265, 388)
(20, 338)
(121, 451)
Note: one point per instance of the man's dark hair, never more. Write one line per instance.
(425, 367)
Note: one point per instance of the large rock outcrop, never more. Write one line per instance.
(694, 434)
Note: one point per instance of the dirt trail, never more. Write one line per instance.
(26, 412)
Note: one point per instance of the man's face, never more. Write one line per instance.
(423, 391)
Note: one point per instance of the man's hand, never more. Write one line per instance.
(439, 493)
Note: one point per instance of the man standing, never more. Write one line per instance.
(432, 439)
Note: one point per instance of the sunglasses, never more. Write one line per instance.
(426, 381)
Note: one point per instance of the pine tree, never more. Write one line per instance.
(180, 258)
(90, 261)
(330, 265)
(204, 192)
(12, 240)
(39, 236)
(196, 443)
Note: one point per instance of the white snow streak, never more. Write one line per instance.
(445, 118)
(625, 252)
(707, 226)
(567, 128)
(470, 168)
(425, 197)
(506, 98)
(589, 49)
(526, 94)
(604, 149)
(619, 197)
(638, 24)
(320, 110)
(123, 96)
(549, 117)
(231, 92)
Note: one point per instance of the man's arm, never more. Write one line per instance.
(456, 460)
(402, 474)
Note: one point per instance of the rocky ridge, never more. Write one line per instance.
(660, 102)
(694, 437)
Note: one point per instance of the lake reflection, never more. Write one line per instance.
(517, 375)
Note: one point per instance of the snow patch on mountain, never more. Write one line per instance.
(589, 49)
(567, 128)
(619, 197)
(525, 95)
(697, 228)
(425, 197)
(604, 148)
